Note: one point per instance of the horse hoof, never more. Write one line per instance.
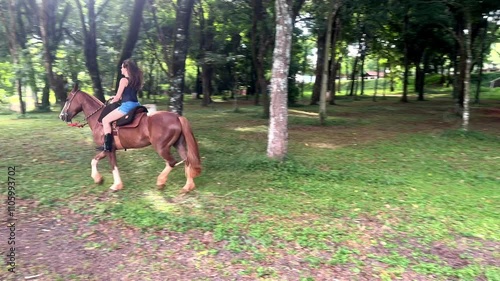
(160, 186)
(186, 189)
(114, 188)
(99, 181)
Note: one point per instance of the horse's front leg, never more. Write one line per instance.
(95, 173)
(117, 181)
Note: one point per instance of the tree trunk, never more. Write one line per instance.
(346, 80)
(362, 71)
(324, 77)
(260, 42)
(419, 80)
(181, 44)
(339, 84)
(51, 36)
(22, 104)
(460, 76)
(468, 63)
(10, 28)
(353, 76)
(404, 97)
(385, 80)
(198, 84)
(480, 64)
(90, 48)
(278, 122)
(207, 46)
(46, 94)
(150, 84)
(320, 61)
(376, 79)
(353, 90)
(32, 79)
(335, 66)
(22, 40)
(47, 26)
(165, 41)
(206, 78)
(132, 37)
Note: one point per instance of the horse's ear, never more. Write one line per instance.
(75, 87)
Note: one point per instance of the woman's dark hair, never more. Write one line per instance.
(135, 74)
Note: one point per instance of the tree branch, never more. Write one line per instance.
(99, 11)
(60, 30)
(82, 18)
(67, 32)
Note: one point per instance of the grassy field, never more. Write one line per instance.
(384, 191)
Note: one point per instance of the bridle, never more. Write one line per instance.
(65, 113)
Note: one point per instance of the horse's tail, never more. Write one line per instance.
(193, 162)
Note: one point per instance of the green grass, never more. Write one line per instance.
(422, 188)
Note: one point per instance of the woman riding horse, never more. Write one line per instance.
(161, 129)
(129, 85)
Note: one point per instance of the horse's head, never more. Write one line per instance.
(73, 105)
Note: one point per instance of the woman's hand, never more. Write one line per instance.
(110, 100)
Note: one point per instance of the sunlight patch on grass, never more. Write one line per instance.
(255, 129)
(301, 112)
(323, 145)
(159, 203)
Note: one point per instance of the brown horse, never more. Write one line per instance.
(161, 130)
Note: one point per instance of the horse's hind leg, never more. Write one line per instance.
(95, 173)
(189, 180)
(169, 165)
(163, 176)
(181, 148)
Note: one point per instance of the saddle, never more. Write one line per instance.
(127, 119)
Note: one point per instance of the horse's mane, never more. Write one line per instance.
(92, 97)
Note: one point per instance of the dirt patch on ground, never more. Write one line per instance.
(64, 245)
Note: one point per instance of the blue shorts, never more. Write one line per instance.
(127, 106)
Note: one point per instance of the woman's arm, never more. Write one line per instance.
(121, 88)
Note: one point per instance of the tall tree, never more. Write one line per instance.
(181, 44)
(335, 63)
(261, 40)
(406, 63)
(11, 31)
(278, 123)
(27, 25)
(468, 65)
(324, 77)
(33, 14)
(322, 14)
(329, 55)
(132, 36)
(206, 49)
(52, 31)
(469, 18)
(165, 35)
(90, 46)
(320, 61)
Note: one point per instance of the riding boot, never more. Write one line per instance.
(108, 143)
